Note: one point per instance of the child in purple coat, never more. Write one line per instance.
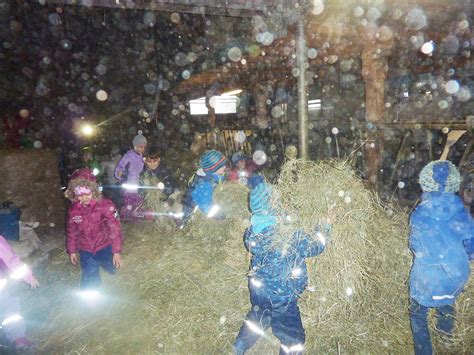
(128, 171)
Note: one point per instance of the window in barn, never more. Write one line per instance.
(198, 106)
(222, 104)
(314, 105)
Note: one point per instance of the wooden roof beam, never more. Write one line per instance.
(233, 8)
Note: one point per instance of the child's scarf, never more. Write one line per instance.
(262, 221)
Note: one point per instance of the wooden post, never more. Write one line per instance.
(374, 71)
(211, 112)
(261, 112)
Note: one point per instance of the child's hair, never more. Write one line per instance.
(82, 177)
(238, 156)
(153, 153)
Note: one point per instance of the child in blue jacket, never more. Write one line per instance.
(277, 278)
(439, 227)
(200, 194)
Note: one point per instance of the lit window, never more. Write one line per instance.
(222, 105)
(314, 105)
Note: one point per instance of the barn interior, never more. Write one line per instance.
(385, 86)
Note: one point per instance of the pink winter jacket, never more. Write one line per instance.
(93, 227)
(11, 265)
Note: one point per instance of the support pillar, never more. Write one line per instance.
(211, 115)
(302, 84)
(261, 112)
(374, 71)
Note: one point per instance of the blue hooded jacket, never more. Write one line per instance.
(280, 274)
(439, 227)
(201, 191)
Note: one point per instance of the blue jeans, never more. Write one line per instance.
(90, 265)
(419, 325)
(282, 315)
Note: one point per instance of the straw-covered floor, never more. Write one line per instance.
(185, 291)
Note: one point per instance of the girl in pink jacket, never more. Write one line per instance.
(12, 269)
(94, 235)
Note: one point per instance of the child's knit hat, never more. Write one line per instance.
(212, 160)
(84, 174)
(260, 197)
(139, 139)
(238, 156)
(440, 176)
(82, 177)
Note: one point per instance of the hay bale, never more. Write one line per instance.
(28, 243)
(30, 178)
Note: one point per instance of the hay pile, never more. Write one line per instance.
(360, 282)
(154, 199)
(185, 291)
(175, 293)
(30, 178)
(232, 197)
(179, 290)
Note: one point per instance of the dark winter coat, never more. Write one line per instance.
(161, 174)
(93, 227)
(282, 274)
(439, 226)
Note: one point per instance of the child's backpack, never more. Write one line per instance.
(10, 221)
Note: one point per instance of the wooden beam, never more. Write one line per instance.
(234, 8)
(459, 125)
